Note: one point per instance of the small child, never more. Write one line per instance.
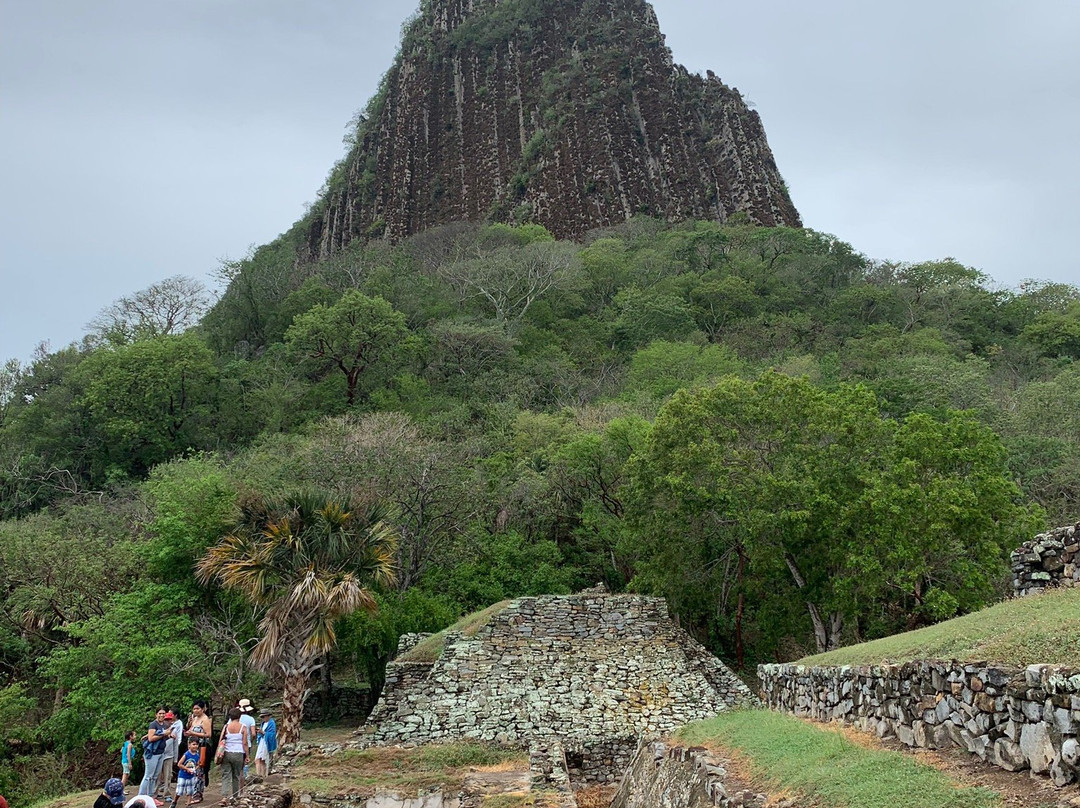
(127, 757)
(189, 776)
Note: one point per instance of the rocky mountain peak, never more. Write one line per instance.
(570, 113)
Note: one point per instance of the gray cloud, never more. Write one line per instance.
(141, 138)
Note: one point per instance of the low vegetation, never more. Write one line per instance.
(825, 766)
(1037, 629)
(69, 801)
(408, 771)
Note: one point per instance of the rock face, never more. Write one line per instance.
(593, 672)
(570, 113)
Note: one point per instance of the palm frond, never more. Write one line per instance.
(306, 560)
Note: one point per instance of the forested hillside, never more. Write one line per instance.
(799, 447)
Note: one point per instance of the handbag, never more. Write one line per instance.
(220, 756)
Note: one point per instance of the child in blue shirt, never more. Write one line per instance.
(127, 757)
(189, 776)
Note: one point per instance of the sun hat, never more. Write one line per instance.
(265, 711)
(245, 705)
(114, 790)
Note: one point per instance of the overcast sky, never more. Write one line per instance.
(141, 139)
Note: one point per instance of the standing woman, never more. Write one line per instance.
(153, 753)
(201, 727)
(264, 754)
(233, 754)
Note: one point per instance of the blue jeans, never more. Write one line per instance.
(153, 770)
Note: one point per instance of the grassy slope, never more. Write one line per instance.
(1037, 629)
(792, 755)
(82, 800)
(431, 648)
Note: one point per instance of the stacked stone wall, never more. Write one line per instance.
(1048, 560)
(407, 642)
(598, 672)
(402, 679)
(693, 777)
(1010, 717)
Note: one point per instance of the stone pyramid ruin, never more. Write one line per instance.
(592, 672)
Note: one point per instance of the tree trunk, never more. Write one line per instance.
(326, 688)
(740, 661)
(826, 637)
(292, 706)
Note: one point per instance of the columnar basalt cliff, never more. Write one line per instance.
(595, 672)
(570, 113)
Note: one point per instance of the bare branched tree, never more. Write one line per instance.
(383, 457)
(167, 307)
(511, 279)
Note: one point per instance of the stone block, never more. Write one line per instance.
(1061, 774)
(904, 734)
(1008, 754)
(1037, 747)
(1064, 722)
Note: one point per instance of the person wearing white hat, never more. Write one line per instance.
(247, 718)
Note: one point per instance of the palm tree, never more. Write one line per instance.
(304, 560)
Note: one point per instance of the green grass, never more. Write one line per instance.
(70, 801)
(1038, 629)
(431, 648)
(825, 766)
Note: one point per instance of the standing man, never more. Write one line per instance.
(247, 718)
(173, 750)
(154, 753)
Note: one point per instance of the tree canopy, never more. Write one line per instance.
(796, 445)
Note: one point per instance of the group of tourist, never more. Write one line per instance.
(187, 751)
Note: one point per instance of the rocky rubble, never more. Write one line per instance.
(1047, 560)
(662, 775)
(1013, 718)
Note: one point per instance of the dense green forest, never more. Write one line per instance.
(795, 445)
